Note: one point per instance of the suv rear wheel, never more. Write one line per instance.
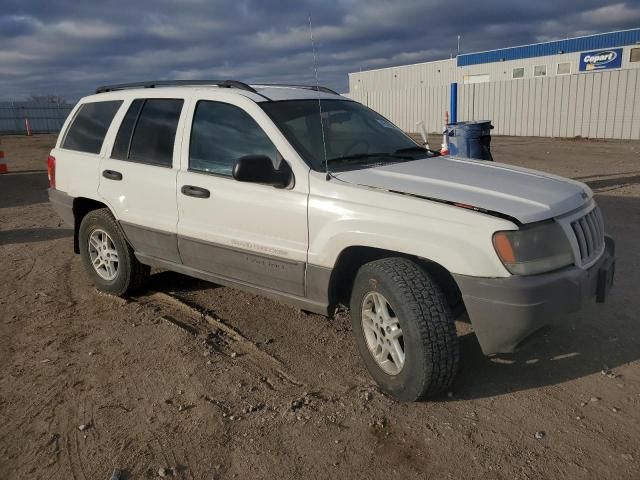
(404, 329)
(106, 255)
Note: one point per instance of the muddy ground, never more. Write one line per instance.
(208, 382)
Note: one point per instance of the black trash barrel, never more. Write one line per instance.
(470, 139)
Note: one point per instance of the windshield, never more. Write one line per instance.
(354, 136)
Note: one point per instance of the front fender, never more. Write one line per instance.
(458, 239)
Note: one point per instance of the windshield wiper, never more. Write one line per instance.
(361, 156)
(357, 156)
(417, 149)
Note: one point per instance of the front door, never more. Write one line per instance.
(249, 233)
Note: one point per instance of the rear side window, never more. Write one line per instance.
(90, 125)
(222, 133)
(123, 139)
(148, 131)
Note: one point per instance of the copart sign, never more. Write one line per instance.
(601, 60)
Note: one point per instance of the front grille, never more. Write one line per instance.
(589, 231)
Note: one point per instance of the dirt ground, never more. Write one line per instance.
(208, 382)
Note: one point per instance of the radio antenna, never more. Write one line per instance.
(315, 68)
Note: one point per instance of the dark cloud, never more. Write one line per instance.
(68, 48)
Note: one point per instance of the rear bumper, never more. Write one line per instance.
(505, 311)
(62, 204)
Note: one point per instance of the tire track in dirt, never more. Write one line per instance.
(50, 282)
(77, 456)
(134, 447)
(317, 350)
(54, 280)
(199, 324)
(69, 456)
(75, 406)
(154, 446)
(226, 344)
(39, 409)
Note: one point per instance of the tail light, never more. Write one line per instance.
(51, 171)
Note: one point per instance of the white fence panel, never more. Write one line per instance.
(596, 105)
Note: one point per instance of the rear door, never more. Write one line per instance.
(138, 175)
(250, 233)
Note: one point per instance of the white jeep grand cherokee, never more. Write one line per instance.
(316, 200)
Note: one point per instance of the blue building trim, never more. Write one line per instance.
(592, 42)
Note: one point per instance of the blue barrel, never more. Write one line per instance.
(470, 139)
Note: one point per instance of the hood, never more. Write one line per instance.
(526, 195)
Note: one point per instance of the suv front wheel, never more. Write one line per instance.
(107, 257)
(404, 329)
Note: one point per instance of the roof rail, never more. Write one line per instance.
(174, 83)
(315, 88)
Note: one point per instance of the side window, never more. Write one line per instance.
(220, 134)
(148, 131)
(90, 125)
(123, 139)
(564, 68)
(540, 71)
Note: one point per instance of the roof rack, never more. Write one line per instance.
(315, 88)
(174, 83)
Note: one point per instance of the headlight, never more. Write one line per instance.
(533, 249)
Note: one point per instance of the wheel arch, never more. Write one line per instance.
(352, 258)
(81, 207)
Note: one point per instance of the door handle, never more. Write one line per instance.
(112, 175)
(192, 191)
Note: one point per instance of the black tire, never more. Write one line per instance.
(131, 274)
(431, 345)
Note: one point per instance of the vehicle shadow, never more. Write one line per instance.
(31, 235)
(177, 283)
(563, 352)
(617, 182)
(22, 189)
(599, 175)
(601, 337)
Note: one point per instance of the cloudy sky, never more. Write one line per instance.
(68, 47)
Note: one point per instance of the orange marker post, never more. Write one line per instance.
(4, 167)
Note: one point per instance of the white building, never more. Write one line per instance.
(546, 85)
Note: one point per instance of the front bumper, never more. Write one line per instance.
(504, 311)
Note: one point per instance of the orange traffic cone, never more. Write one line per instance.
(4, 168)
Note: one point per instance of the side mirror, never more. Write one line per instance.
(260, 169)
